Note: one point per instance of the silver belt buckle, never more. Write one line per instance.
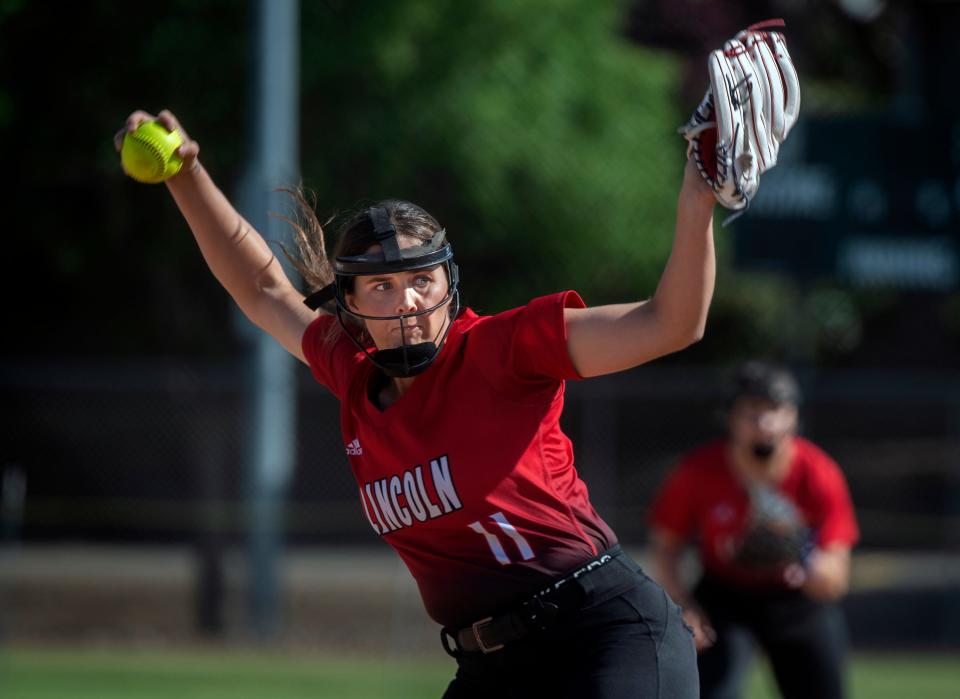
(477, 625)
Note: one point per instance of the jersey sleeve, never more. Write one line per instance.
(674, 507)
(538, 347)
(331, 356)
(838, 522)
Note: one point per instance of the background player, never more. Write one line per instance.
(451, 423)
(773, 523)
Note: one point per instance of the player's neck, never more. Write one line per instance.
(392, 391)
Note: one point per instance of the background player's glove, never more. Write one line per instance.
(776, 534)
(752, 103)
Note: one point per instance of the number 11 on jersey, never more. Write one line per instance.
(493, 539)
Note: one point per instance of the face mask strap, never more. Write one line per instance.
(385, 234)
(335, 290)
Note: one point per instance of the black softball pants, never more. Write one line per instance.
(632, 645)
(804, 640)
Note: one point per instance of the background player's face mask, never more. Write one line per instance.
(413, 351)
(764, 450)
(761, 425)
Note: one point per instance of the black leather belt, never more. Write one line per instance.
(535, 614)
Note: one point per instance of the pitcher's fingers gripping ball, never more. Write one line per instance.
(149, 152)
(752, 103)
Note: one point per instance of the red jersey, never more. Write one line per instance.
(702, 500)
(468, 475)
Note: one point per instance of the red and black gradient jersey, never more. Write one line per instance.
(702, 500)
(468, 475)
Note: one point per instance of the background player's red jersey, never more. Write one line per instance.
(468, 475)
(703, 501)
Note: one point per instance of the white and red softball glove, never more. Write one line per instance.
(752, 103)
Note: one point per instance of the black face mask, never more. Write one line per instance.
(407, 360)
(763, 450)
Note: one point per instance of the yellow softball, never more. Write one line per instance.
(149, 153)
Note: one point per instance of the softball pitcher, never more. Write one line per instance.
(450, 421)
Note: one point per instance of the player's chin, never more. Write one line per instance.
(408, 335)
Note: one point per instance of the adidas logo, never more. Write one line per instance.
(354, 448)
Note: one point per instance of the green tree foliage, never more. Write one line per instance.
(538, 134)
(541, 137)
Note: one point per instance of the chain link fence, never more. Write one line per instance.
(125, 517)
(157, 452)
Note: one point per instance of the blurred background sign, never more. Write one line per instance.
(864, 200)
